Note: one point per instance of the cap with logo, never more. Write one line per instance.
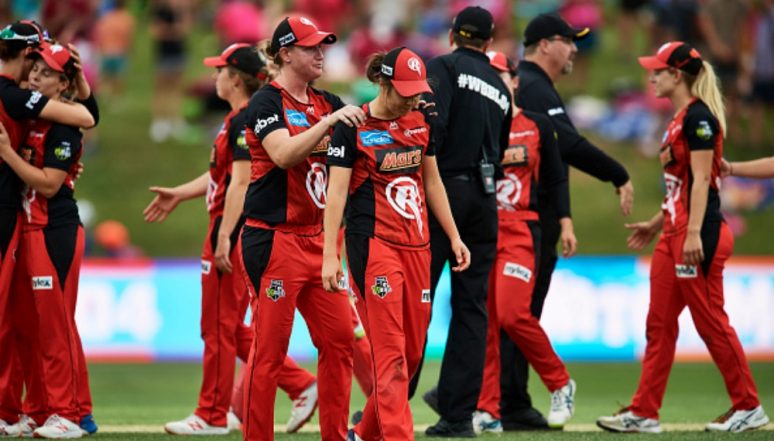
(242, 56)
(502, 63)
(57, 57)
(406, 72)
(549, 25)
(27, 31)
(299, 31)
(674, 54)
(473, 22)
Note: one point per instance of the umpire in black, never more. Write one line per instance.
(549, 50)
(471, 131)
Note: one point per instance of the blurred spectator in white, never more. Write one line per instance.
(240, 21)
(113, 37)
(170, 25)
(762, 81)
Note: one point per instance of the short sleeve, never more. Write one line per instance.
(237, 139)
(700, 128)
(23, 104)
(62, 147)
(342, 151)
(265, 113)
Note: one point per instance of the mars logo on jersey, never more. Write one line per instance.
(665, 156)
(381, 287)
(515, 155)
(508, 192)
(316, 183)
(399, 160)
(404, 197)
(42, 282)
(275, 291)
(321, 149)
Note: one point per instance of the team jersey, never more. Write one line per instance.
(51, 145)
(16, 106)
(693, 128)
(386, 194)
(230, 145)
(291, 199)
(531, 156)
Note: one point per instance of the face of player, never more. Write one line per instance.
(562, 51)
(512, 82)
(397, 104)
(223, 83)
(47, 81)
(307, 62)
(664, 82)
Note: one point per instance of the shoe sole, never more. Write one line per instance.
(304, 421)
(617, 430)
(170, 432)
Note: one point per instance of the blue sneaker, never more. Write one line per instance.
(88, 425)
(352, 436)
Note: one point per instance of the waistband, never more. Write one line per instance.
(301, 230)
(521, 215)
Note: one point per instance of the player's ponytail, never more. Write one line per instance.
(374, 68)
(705, 87)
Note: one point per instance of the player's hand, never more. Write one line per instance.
(331, 273)
(725, 168)
(80, 79)
(642, 234)
(350, 115)
(79, 167)
(461, 253)
(626, 197)
(693, 251)
(428, 107)
(165, 201)
(223, 254)
(568, 239)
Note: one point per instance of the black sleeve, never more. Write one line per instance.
(91, 106)
(505, 134)
(440, 78)
(342, 150)
(236, 137)
(335, 101)
(552, 171)
(62, 146)
(700, 128)
(23, 104)
(430, 151)
(265, 112)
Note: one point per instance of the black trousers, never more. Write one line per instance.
(515, 369)
(475, 214)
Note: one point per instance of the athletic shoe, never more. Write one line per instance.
(484, 422)
(626, 421)
(193, 425)
(57, 427)
(352, 436)
(448, 429)
(88, 425)
(23, 428)
(523, 419)
(562, 406)
(303, 408)
(232, 421)
(739, 421)
(431, 399)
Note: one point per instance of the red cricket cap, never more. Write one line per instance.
(676, 54)
(57, 57)
(406, 72)
(242, 56)
(502, 63)
(299, 31)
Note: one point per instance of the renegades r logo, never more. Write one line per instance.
(399, 160)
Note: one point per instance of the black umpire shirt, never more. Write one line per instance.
(474, 110)
(537, 94)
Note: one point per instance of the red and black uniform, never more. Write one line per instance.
(282, 246)
(224, 295)
(16, 106)
(531, 157)
(675, 285)
(46, 280)
(388, 244)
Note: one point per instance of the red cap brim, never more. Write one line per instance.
(410, 88)
(52, 63)
(652, 63)
(215, 62)
(312, 40)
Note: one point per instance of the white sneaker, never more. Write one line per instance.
(23, 428)
(562, 406)
(57, 427)
(303, 408)
(193, 425)
(739, 421)
(484, 422)
(232, 421)
(626, 421)
(4, 429)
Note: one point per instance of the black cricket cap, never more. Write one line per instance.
(473, 22)
(548, 25)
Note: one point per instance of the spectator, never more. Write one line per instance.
(113, 40)
(762, 95)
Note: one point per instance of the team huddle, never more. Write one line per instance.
(462, 160)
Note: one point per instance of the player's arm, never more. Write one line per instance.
(336, 200)
(762, 168)
(45, 181)
(438, 202)
(71, 114)
(167, 198)
(232, 211)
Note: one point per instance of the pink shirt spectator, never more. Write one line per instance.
(240, 22)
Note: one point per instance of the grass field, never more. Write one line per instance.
(132, 402)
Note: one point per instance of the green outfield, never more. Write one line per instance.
(132, 401)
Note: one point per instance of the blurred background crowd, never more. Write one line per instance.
(144, 59)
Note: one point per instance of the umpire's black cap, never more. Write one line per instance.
(548, 25)
(474, 22)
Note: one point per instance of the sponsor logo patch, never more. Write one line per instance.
(381, 287)
(287, 39)
(515, 155)
(375, 137)
(686, 271)
(425, 296)
(42, 282)
(508, 192)
(34, 98)
(317, 183)
(206, 266)
(275, 291)
(665, 156)
(241, 141)
(518, 271)
(63, 152)
(404, 197)
(399, 160)
(321, 149)
(296, 118)
(704, 131)
(336, 152)
(555, 111)
(476, 84)
(265, 122)
(415, 131)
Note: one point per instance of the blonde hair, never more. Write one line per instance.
(705, 86)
